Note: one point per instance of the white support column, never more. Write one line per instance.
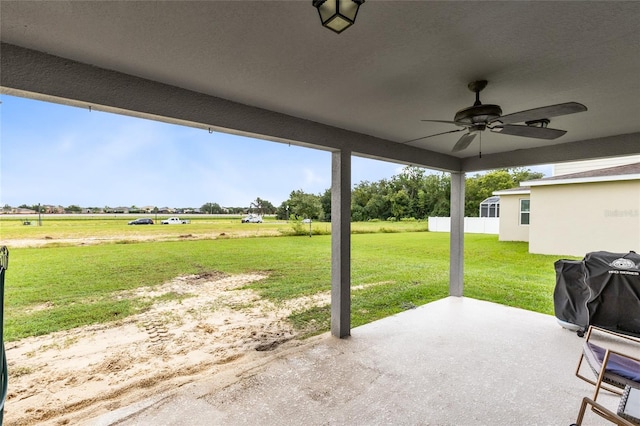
(456, 249)
(341, 243)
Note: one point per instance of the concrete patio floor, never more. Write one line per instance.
(456, 361)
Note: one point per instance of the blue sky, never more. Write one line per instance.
(56, 154)
(62, 155)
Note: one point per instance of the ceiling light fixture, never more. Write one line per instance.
(337, 15)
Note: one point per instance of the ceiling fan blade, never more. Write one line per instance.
(542, 112)
(445, 121)
(430, 136)
(464, 142)
(528, 131)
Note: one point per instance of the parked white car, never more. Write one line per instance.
(252, 218)
(174, 221)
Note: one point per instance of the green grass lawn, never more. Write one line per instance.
(397, 270)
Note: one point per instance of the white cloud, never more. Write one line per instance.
(313, 178)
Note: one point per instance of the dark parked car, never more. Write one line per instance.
(142, 221)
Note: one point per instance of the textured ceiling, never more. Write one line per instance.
(403, 61)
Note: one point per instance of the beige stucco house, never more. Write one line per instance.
(576, 213)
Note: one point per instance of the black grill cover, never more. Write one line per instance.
(603, 289)
(571, 293)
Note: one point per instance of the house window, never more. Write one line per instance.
(524, 212)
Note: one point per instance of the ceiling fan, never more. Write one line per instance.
(479, 117)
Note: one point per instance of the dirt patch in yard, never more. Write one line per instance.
(198, 326)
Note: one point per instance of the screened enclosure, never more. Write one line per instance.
(490, 207)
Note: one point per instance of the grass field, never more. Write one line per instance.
(59, 287)
(205, 226)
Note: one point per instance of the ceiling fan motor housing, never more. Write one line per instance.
(478, 114)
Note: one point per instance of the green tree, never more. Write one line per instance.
(521, 174)
(401, 204)
(304, 205)
(371, 200)
(34, 207)
(325, 202)
(378, 206)
(360, 196)
(73, 209)
(211, 208)
(480, 187)
(410, 179)
(263, 206)
(436, 195)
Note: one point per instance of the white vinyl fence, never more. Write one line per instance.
(472, 225)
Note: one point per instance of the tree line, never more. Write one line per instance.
(412, 194)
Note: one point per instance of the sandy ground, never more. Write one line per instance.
(88, 241)
(39, 242)
(67, 377)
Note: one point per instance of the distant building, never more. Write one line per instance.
(51, 209)
(19, 210)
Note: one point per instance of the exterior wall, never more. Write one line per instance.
(510, 228)
(580, 218)
(583, 166)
